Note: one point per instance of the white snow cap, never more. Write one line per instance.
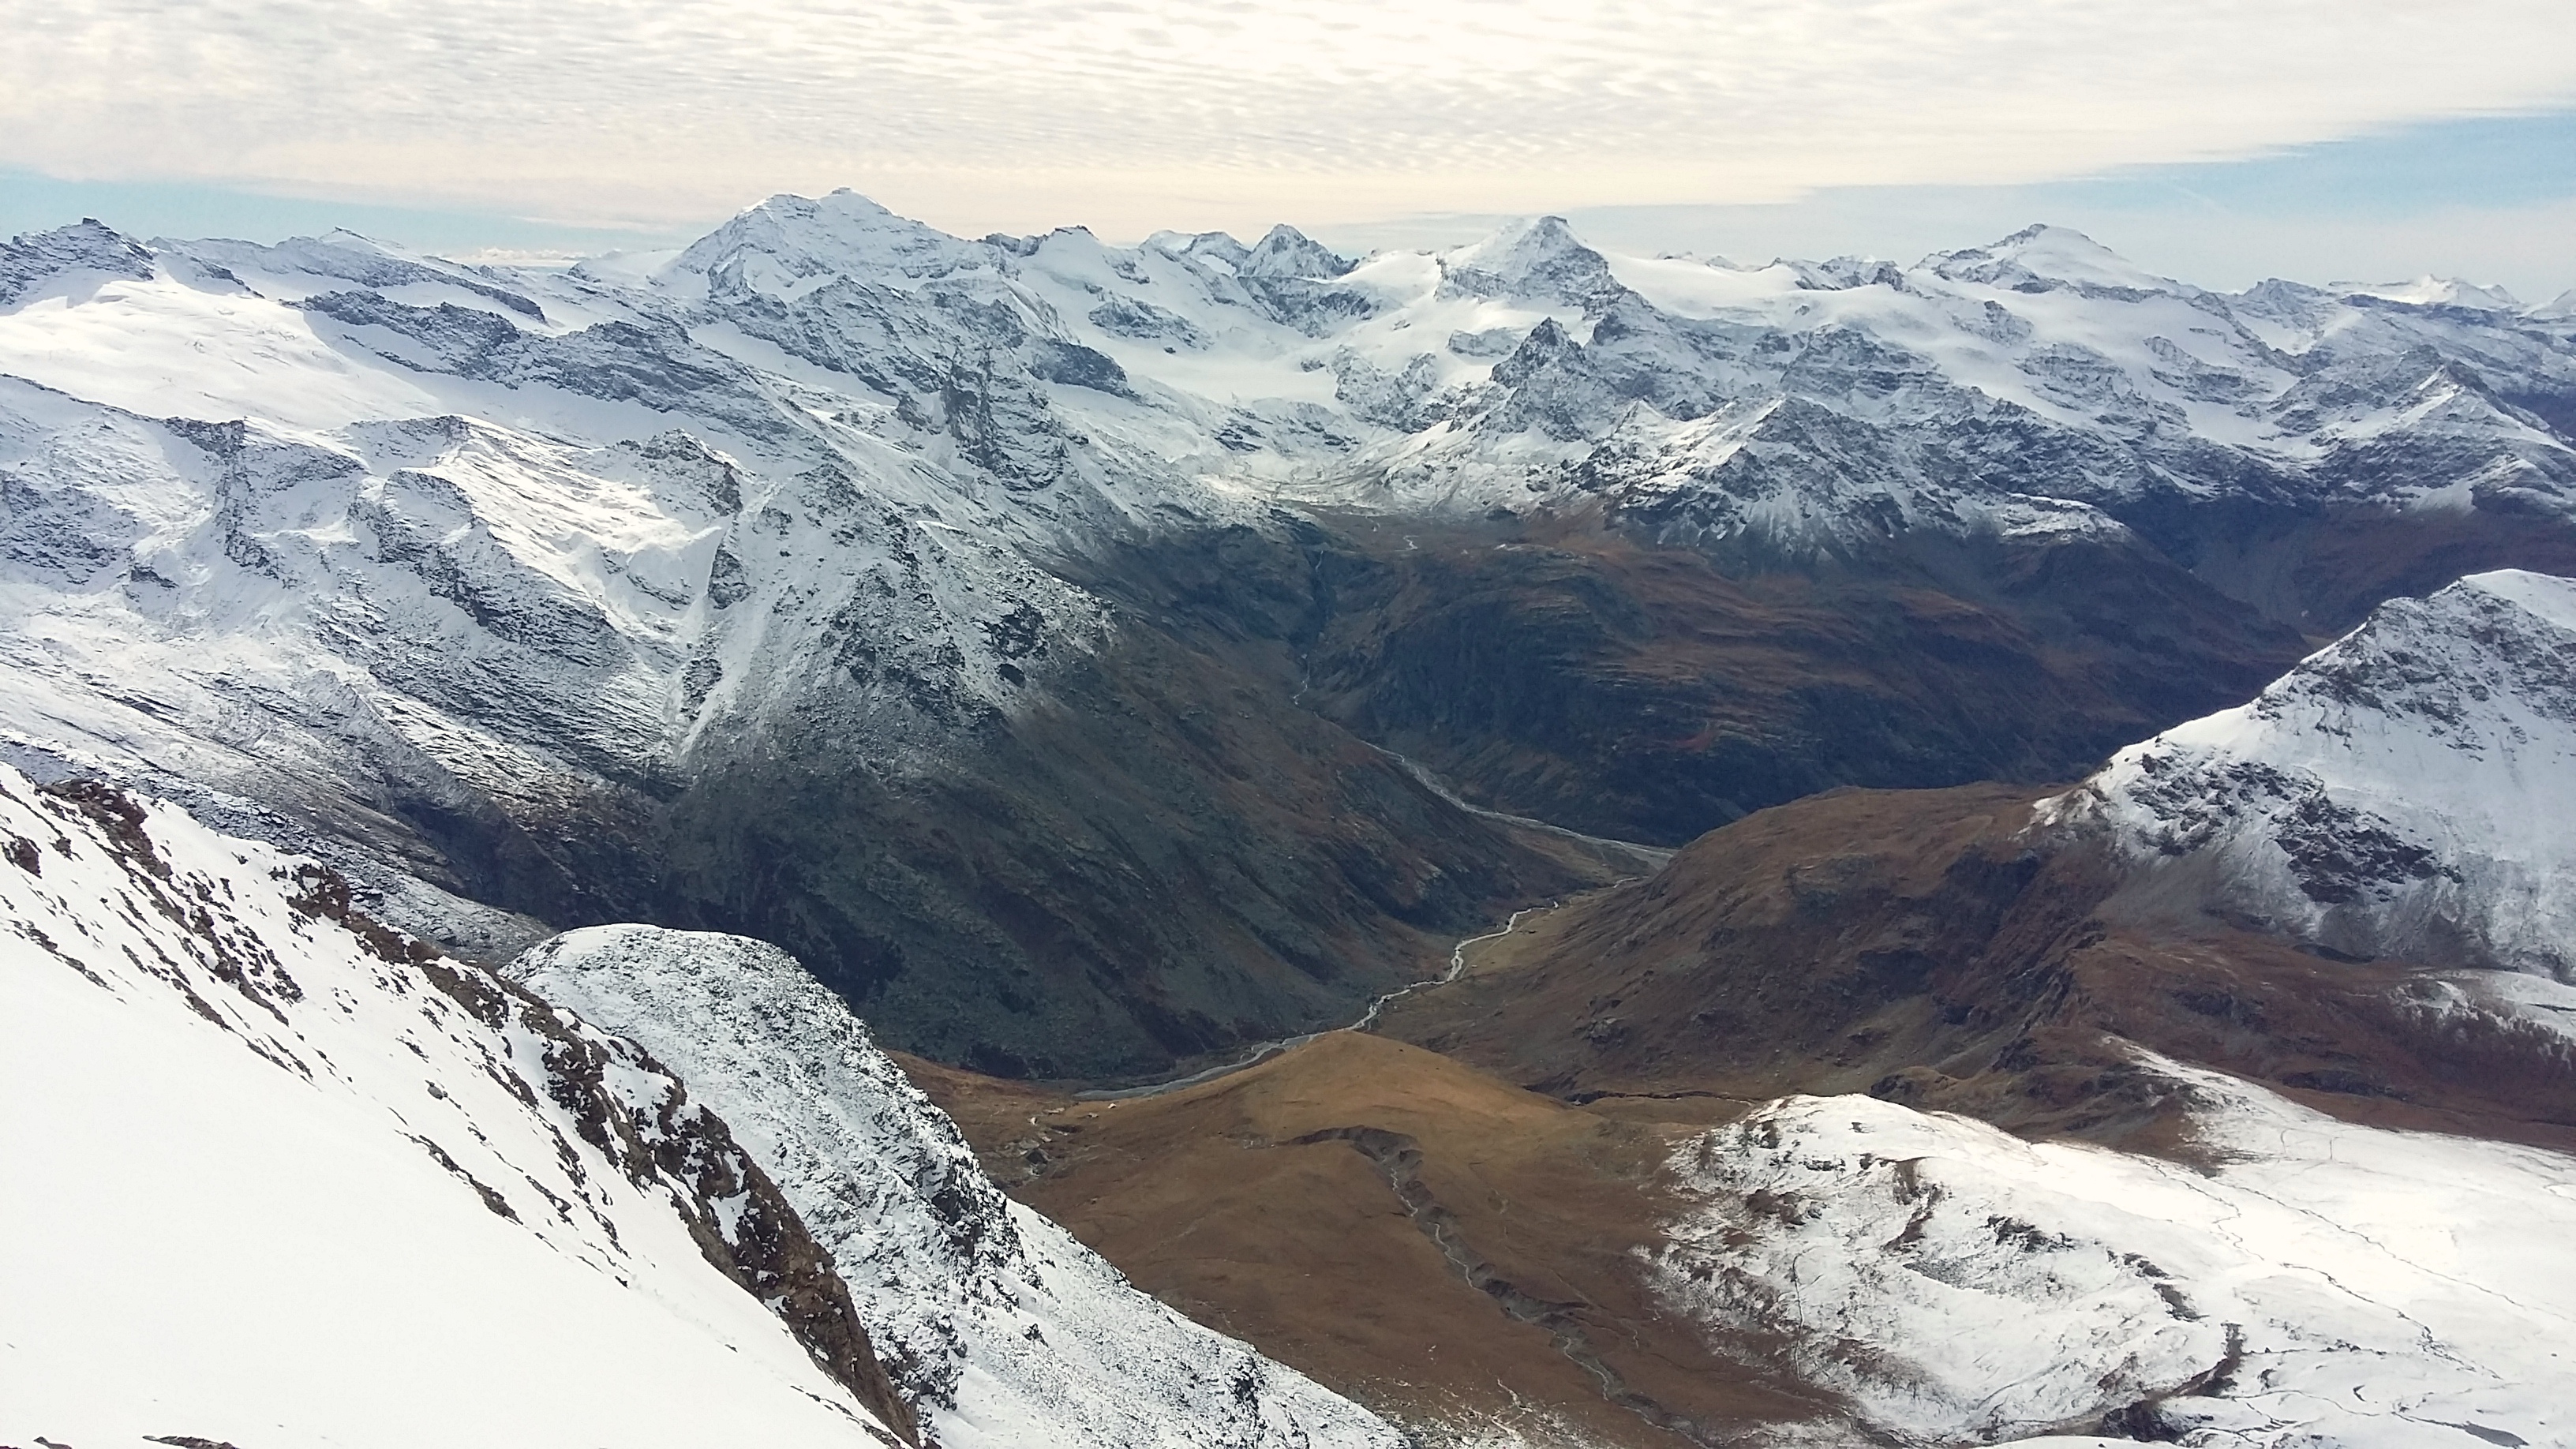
(2324, 1284)
(2410, 790)
(2432, 291)
(2040, 254)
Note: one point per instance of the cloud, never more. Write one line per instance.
(1136, 113)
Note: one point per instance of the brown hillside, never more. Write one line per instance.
(1443, 1246)
(1928, 947)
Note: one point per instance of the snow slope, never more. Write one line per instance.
(2408, 791)
(278, 1178)
(2319, 1284)
(1004, 1329)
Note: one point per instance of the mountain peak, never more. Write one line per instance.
(789, 239)
(86, 245)
(2409, 790)
(1533, 259)
(2432, 291)
(1287, 252)
(2046, 258)
(2545, 597)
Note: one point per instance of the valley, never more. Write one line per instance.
(1672, 1056)
(1018, 840)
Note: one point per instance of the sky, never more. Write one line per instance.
(2221, 141)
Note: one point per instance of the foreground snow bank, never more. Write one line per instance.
(1006, 1330)
(276, 1179)
(2323, 1284)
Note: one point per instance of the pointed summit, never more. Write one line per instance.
(1288, 252)
(1546, 346)
(88, 245)
(786, 242)
(2043, 258)
(1537, 259)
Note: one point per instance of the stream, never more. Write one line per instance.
(1269, 1049)
(1649, 857)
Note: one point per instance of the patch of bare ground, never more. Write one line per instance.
(1447, 1248)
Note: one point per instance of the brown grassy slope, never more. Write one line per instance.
(1923, 946)
(1273, 1204)
(1919, 945)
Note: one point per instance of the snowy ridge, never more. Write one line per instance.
(2322, 1284)
(2408, 791)
(355, 1178)
(1003, 1328)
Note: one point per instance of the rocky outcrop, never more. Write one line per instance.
(637, 1114)
(1002, 1328)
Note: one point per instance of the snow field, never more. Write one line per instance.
(257, 1174)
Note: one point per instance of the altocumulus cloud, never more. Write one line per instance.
(1136, 113)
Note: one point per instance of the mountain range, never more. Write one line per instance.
(2030, 782)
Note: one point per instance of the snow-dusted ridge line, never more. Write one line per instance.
(2408, 791)
(2321, 1284)
(355, 1178)
(1004, 1329)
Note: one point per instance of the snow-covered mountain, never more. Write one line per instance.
(606, 591)
(2278, 1276)
(2222, 1100)
(2409, 791)
(2042, 382)
(1001, 1328)
(356, 1174)
(280, 1176)
(2306, 1281)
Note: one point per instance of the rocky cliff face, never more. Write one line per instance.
(995, 1322)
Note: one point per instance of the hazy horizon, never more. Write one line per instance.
(2491, 201)
(2321, 138)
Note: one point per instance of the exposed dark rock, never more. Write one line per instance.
(88, 245)
(763, 1245)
